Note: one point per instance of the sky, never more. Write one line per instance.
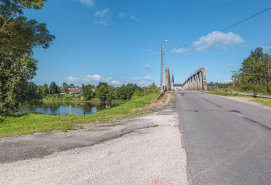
(119, 41)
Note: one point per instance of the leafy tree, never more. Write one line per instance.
(53, 88)
(101, 84)
(121, 93)
(39, 91)
(102, 92)
(253, 74)
(211, 83)
(18, 38)
(32, 91)
(152, 88)
(45, 89)
(65, 86)
(112, 91)
(71, 85)
(130, 89)
(87, 92)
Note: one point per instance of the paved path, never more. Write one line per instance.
(227, 142)
(142, 151)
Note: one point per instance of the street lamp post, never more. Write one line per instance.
(161, 78)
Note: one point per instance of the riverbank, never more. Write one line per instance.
(30, 123)
(92, 101)
(148, 148)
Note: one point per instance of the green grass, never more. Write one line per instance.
(29, 123)
(223, 93)
(264, 101)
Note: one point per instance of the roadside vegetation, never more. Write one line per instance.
(263, 101)
(29, 123)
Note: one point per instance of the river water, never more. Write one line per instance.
(67, 108)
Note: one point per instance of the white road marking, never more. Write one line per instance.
(237, 114)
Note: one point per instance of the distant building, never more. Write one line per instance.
(76, 90)
(177, 86)
(61, 91)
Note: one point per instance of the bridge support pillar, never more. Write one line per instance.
(200, 82)
(204, 80)
(197, 81)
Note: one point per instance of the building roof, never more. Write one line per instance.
(76, 90)
(177, 85)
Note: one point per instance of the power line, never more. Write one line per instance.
(229, 26)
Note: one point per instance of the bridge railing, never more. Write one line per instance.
(196, 81)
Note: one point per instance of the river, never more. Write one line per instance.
(78, 108)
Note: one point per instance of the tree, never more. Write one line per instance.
(102, 93)
(45, 90)
(87, 92)
(53, 88)
(39, 91)
(101, 84)
(121, 93)
(253, 74)
(112, 91)
(71, 85)
(18, 37)
(65, 86)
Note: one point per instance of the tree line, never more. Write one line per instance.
(102, 91)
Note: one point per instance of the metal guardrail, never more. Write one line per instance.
(249, 94)
(254, 95)
(159, 95)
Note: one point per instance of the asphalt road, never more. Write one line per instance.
(227, 142)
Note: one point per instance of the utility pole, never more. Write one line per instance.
(161, 78)
(269, 67)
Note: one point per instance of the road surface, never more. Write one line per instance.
(227, 142)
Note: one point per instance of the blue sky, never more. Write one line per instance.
(119, 41)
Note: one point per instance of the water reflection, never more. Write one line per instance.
(66, 108)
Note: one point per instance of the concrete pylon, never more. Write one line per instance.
(167, 82)
(197, 81)
(204, 80)
(193, 82)
(200, 82)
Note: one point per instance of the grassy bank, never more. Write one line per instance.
(224, 93)
(30, 123)
(264, 101)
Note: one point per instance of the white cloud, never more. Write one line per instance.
(135, 79)
(231, 65)
(122, 14)
(73, 80)
(95, 78)
(227, 81)
(147, 67)
(89, 79)
(143, 83)
(103, 17)
(88, 2)
(147, 78)
(217, 40)
(115, 82)
(180, 50)
(101, 13)
(134, 18)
